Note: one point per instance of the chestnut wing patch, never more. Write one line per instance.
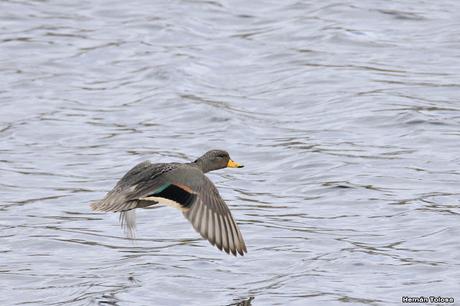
(180, 194)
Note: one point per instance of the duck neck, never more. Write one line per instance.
(202, 165)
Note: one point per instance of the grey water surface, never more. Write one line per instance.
(346, 115)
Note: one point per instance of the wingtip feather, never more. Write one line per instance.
(94, 206)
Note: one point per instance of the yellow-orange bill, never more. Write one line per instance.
(232, 164)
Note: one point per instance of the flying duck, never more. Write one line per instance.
(185, 187)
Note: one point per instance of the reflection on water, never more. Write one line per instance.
(246, 302)
(345, 115)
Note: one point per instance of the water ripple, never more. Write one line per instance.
(345, 115)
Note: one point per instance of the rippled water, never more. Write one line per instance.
(345, 113)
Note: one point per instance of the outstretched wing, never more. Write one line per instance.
(211, 217)
(207, 211)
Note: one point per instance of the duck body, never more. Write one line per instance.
(183, 186)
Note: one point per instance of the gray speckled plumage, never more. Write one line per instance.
(185, 185)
